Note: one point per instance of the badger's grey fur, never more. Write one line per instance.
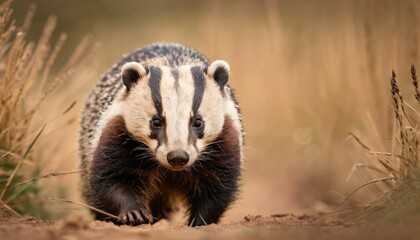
(162, 127)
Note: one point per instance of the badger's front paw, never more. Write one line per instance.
(136, 217)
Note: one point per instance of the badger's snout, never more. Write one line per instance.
(178, 158)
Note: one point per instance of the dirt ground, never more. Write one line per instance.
(276, 226)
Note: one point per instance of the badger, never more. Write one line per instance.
(161, 128)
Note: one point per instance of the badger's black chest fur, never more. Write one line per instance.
(161, 129)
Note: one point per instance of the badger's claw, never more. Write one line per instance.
(136, 217)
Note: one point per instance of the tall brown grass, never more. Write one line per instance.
(26, 82)
(399, 167)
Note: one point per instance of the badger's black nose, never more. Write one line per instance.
(178, 158)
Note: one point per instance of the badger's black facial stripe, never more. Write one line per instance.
(175, 74)
(154, 84)
(199, 85)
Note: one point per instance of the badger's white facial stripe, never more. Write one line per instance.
(177, 88)
(212, 110)
(139, 106)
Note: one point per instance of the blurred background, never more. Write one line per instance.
(306, 74)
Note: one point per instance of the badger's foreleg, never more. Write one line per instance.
(213, 192)
(115, 183)
(121, 196)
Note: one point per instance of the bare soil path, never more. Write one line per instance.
(280, 226)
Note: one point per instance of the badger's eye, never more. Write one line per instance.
(198, 123)
(156, 123)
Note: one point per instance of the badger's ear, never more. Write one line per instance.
(219, 71)
(132, 72)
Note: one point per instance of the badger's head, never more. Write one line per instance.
(176, 112)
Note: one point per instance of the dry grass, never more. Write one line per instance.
(26, 83)
(401, 165)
